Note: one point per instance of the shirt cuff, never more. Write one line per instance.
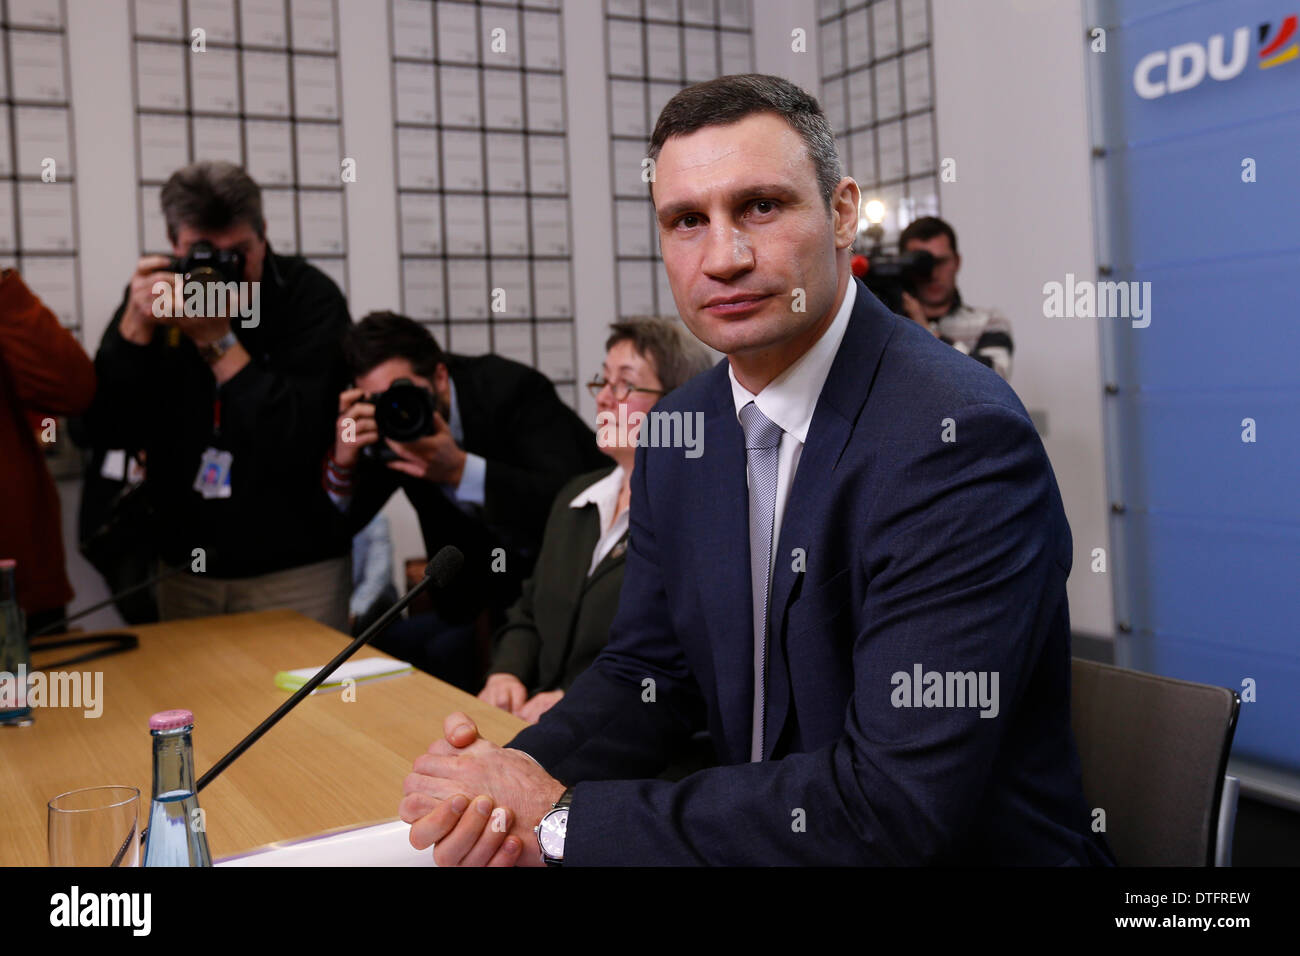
(473, 480)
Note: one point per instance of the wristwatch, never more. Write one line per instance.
(214, 350)
(550, 832)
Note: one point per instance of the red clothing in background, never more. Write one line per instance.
(43, 372)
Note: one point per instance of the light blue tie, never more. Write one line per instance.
(763, 450)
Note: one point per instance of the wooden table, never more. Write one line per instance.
(329, 763)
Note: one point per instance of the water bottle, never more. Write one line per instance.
(177, 836)
(15, 657)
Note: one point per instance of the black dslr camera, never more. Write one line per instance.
(206, 263)
(889, 276)
(403, 413)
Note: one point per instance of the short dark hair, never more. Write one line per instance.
(211, 195)
(925, 228)
(729, 99)
(677, 356)
(381, 336)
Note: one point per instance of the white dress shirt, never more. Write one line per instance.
(604, 495)
(789, 400)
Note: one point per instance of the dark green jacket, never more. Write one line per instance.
(561, 620)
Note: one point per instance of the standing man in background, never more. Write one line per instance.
(43, 372)
(983, 334)
(234, 411)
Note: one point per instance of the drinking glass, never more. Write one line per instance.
(95, 826)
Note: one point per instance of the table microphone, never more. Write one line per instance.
(441, 571)
(149, 582)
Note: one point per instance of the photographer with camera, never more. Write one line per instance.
(480, 445)
(222, 364)
(983, 334)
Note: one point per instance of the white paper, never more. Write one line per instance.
(505, 162)
(214, 81)
(664, 52)
(633, 220)
(635, 287)
(863, 145)
(266, 83)
(831, 44)
(8, 241)
(701, 55)
(417, 159)
(924, 196)
(164, 145)
(514, 340)
(42, 135)
(160, 75)
(884, 27)
(470, 338)
(510, 295)
(920, 145)
(828, 8)
(215, 17)
(889, 142)
(555, 350)
(661, 10)
(270, 155)
(315, 84)
(625, 8)
(916, 28)
(625, 50)
(736, 52)
(35, 13)
(413, 29)
(319, 156)
(550, 227)
(857, 38)
(467, 281)
(507, 227)
(500, 37)
(542, 47)
(114, 465)
(462, 160)
(665, 306)
(321, 214)
(889, 94)
(217, 138)
(421, 219)
(551, 290)
(465, 234)
(457, 33)
(460, 99)
(545, 103)
(833, 104)
(37, 63)
(158, 18)
(916, 81)
(502, 100)
(733, 13)
(627, 108)
(422, 290)
(46, 216)
(415, 101)
(336, 269)
(155, 229)
(659, 95)
(278, 207)
(262, 22)
(629, 163)
(548, 173)
(858, 92)
(55, 281)
(699, 11)
(313, 25)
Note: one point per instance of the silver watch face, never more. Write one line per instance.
(551, 832)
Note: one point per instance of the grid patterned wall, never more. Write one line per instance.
(38, 233)
(264, 94)
(878, 93)
(656, 47)
(482, 188)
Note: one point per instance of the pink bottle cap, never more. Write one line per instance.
(171, 719)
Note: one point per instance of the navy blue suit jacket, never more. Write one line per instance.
(898, 549)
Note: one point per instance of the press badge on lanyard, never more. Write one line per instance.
(213, 479)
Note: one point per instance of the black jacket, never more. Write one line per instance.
(561, 620)
(277, 420)
(532, 442)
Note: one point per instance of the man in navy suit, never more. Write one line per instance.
(858, 587)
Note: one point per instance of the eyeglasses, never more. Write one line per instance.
(620, 390)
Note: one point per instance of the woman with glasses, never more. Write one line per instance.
(562, 619)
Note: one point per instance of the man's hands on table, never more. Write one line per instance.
(494, 827)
